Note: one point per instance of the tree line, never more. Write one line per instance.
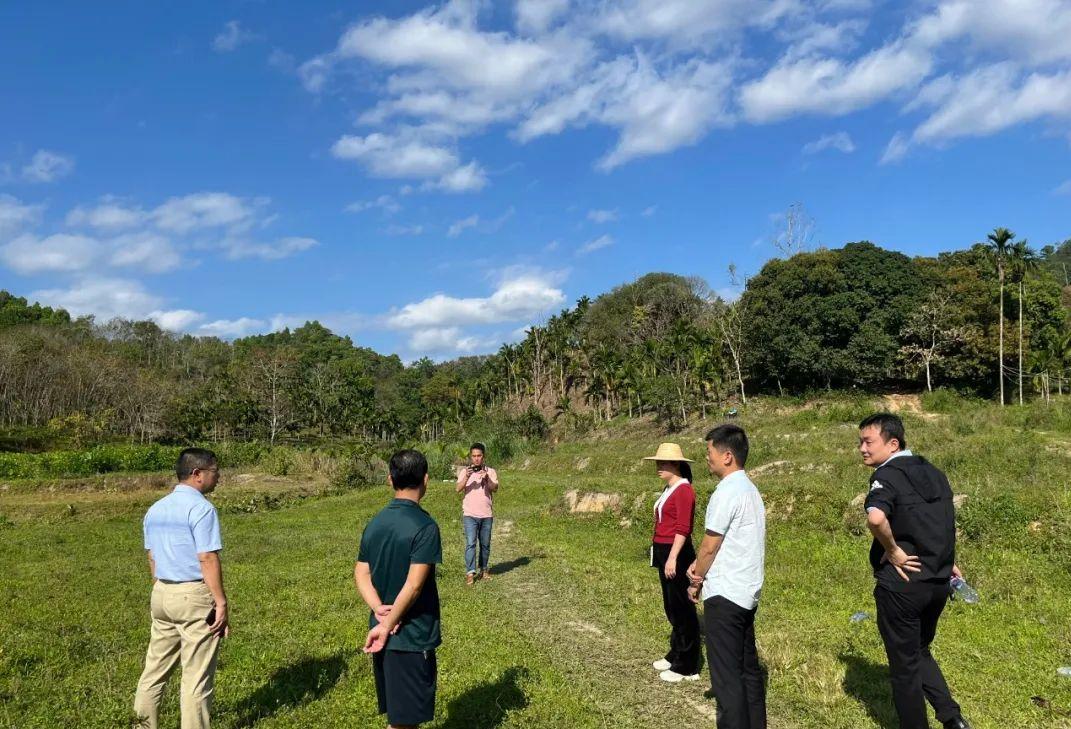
(991, 320)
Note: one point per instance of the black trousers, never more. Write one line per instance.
(908, 622)
(735, 675)
(685, 652)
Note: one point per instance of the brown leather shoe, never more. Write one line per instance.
(486, 575)
(470, 578)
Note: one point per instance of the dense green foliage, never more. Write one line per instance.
(664, 345)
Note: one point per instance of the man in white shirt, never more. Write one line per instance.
(729, 567)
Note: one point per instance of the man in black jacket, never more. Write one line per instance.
(910, 513)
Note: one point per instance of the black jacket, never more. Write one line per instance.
(917, 499)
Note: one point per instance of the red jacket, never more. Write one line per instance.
(678, 514)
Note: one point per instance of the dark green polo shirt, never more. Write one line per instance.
(402, 534)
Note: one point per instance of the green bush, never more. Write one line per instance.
(114, 457)
(359, 468)
(279, 461)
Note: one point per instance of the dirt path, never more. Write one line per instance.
(625, 691)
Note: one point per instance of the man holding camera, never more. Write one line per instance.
(478, 482)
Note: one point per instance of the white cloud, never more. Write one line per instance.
(28, 254)
(520, 296)
(177, 320)
(15, 215)
(991, 99)
(535, 16)
(394, 229)
(1035, 31)
(689, 21)
(1063, 189)
(896, 149)
(104, 298)
(593, 245)
(386, 203)
(410, 156)
(388, 156)
(231, 328)
(468, 178)
(146, 251)
(655, 110)
(649, 211)
(458, 226)
(282, 248)
(603, 216)
(443, 47)
(831, 87)
(47, 166)
(840, 141)
(108, 215)
(204, 210)
(435, 340)
(814, 37)
(232, 36)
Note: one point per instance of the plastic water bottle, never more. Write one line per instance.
(1064, 671)
(962, 591)
(858, 617)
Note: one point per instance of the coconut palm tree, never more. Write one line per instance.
(1022, 259)
(998, 242)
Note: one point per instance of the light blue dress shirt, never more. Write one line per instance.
(177, 528)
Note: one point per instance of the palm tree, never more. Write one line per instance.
(1023, 260)
(998, 244)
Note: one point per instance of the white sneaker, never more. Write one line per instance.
(661, 664)
(674, 677)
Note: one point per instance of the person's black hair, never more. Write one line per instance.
(732, 438)
(686, 471)
(193, 459)
(408, 469)
(889, 425)
(477, 446)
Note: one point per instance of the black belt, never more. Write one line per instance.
(177, 582)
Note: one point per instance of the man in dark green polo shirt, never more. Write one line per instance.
(395, 575)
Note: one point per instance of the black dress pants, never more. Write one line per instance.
(735, 675)
(684, 648)
(908, 622)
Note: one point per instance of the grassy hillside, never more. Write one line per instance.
(564, 634)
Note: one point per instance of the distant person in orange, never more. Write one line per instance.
(478, 482)
(671, 553)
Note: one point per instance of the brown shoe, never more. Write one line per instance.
(486, 575)
(470, 578)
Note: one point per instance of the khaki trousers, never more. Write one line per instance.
(179, 632)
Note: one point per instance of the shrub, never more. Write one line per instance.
(279, 461)
(532, 424)
(359, 468)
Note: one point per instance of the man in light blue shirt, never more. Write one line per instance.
(730, 568)
(188, 605)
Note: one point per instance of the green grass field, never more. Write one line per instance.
(564, 634)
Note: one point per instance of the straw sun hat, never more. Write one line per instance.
(668, 452)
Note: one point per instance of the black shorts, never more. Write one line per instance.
(405, 685)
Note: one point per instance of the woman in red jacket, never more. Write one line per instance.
(671, 553)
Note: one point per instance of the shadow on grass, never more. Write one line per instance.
(503, 567)
(290, 686)
(868, 683)
(486, 706)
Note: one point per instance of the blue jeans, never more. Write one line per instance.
(477, 529)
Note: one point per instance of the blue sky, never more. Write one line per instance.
(431, 179)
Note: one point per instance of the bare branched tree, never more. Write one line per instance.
(797, 231)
